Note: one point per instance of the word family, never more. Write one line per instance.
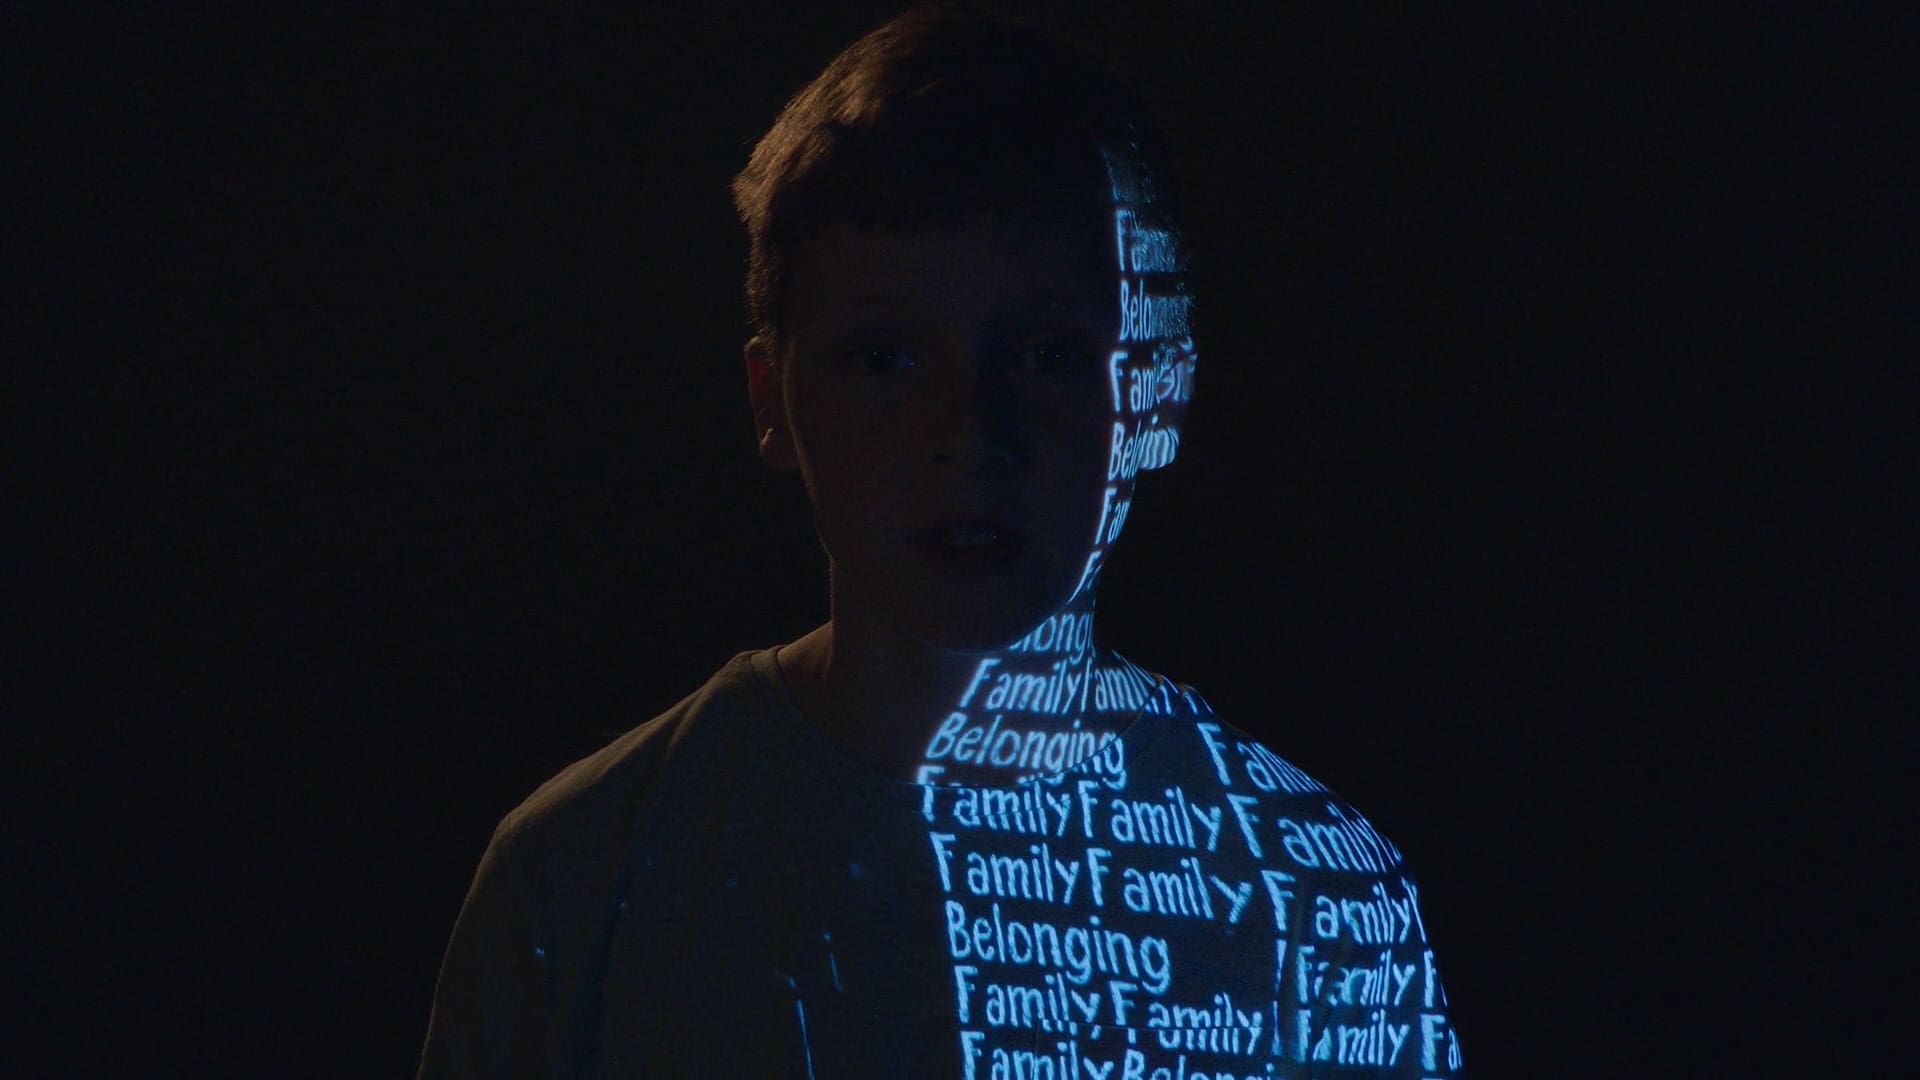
(1215, 913)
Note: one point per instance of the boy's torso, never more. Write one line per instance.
(1182, 902)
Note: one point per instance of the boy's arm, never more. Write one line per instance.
(488, 1004)
(1409, 1035)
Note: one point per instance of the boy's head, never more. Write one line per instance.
(936, 116)
(940, 225)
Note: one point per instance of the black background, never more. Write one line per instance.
(382, 448)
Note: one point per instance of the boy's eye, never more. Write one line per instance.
(1052, 356)
(881, 358)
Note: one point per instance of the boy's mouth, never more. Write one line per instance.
(965, 536)
(969, 540)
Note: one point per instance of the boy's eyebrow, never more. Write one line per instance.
(1045, 302)
(1048, 301)
(1064, 310)
(884, 298)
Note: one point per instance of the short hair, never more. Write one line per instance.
(939, 115)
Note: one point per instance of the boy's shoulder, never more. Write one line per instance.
(680, 763)
(1253, 777)
(1238, 758)
(607, 787)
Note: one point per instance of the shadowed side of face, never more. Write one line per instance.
(947, 400)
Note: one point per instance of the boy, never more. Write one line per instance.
(946, 834)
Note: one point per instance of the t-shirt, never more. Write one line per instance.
(721, 892)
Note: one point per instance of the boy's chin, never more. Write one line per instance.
(983, 615)
(977, 630)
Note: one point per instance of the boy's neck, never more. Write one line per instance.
(860, 691)
(881, 698)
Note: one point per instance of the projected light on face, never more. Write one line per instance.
(1152, 366)
(1051, 700)
(1156, 918)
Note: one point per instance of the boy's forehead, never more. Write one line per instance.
(1039, 258)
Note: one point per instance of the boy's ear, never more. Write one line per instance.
(765, 390)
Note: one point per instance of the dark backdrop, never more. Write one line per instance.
(383, 448)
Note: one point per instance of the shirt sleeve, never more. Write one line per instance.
(1386, 1007)
(490, 1001)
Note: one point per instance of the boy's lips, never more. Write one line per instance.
(984, 539)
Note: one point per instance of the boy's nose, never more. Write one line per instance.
(976, 426)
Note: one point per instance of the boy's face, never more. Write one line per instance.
(946, 398)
